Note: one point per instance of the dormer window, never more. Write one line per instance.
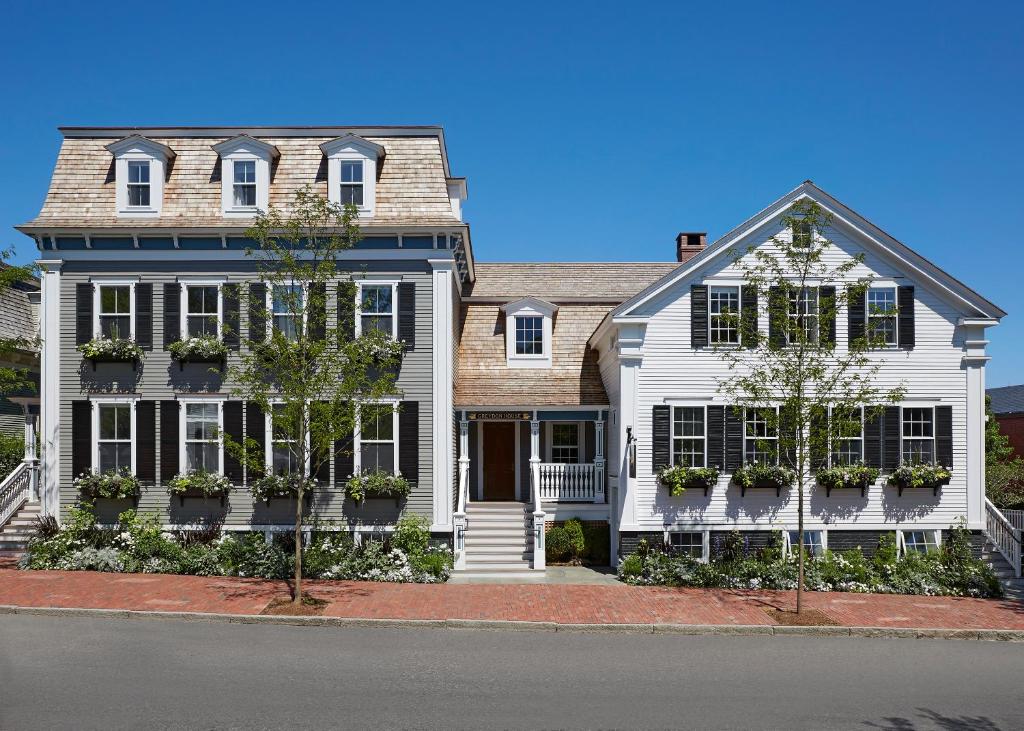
(353, 164)
(245, 183)
(140, 168)
(245, 175)
(529, 335)
(138, 184)
(529, 324)
(352, 182)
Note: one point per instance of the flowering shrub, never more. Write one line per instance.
(204, 348)
(281, 486)
(677, 478)
(377, 484)
(199, 482)
(114, 484)
(854, 475)
(111, 349)
(755, 474)
(920, 475)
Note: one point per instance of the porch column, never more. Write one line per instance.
(538, 511)
(459, 517)
(599, 459)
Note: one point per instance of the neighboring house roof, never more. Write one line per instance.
(967, 299)
(1007, 399)
(19, 318)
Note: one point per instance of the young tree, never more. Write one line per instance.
(309, 371)
(1004, 472)
(802, 388)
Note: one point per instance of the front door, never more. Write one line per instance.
(499, 460)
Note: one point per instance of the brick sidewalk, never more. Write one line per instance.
(567, 603)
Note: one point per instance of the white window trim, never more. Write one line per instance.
(349, 149)
(244, 148)
(581, 440)
(672, 428)
(98, 401)
(185, 284)
(357, 437)
(787, 544)
(705, 541)
(270, 303)
(529, 307)
(739, 310)
(268, 439)
(96, 284)
(867, 312)
(139, 149)
(182, 420)
(394, 304)
(929, 406)
(775, 439)
(901, 539)
(792, 319)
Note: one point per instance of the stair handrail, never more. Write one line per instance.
(14, 491)
(1004, 536)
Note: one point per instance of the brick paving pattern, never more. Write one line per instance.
(566, 603)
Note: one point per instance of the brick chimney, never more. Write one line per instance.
(689, 245)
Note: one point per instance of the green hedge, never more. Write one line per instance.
(573, 542)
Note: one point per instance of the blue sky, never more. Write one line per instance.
(592, 130)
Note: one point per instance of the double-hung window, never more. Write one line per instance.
(202, 442)
(286, 306)
(377, 445)
(138, 183)
(803, 234)
(244, 183)
(921, 541)
(114, 437)
(352, 182)
(881, 316)
(813, 541)
(761, 436)
(529, 335)
(688, 436)
(115, 311)
(918, 435)
(723, 315)
(202, 310)
(847, 436)
(377, 308)
(687, 543)
(284, 453)
(803, 315)
(565, 443)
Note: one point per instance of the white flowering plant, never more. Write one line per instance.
(761, 474)
(199, 482)
(269, 487)
(117, 350)
(113, 484)
(926, 474)
(679, 477)
(851, 475)
(205, 348)
(377, 483)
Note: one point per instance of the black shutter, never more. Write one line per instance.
(144, 315)
(873, 419)
(698, 316)
(778, 317)
(733, 437)
(856, 316)
(81, 437)
(145, 441)
(172, 313)
(233, 430)
(787, 437)
(891, 437)
(169, 439)
(321, 462)
(231, 336)
(409, 440)
(257, 312)
(83, 314)
(317, 313)
(256, 429)
(661, 437)
(346, 314)
(827, 315)
(748, 316)
(344, 459)
(716, 437)
(944, 436)
(818, 438)
(407, 314)
(905, 304)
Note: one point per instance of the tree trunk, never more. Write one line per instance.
(800, 543)
(298, 544)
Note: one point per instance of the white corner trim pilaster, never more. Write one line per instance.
(442, 324)
(974, 361)
(49, 412)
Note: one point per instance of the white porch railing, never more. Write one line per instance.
(15, 491)
(577, 483)
(1016, 518)
(1004, 535)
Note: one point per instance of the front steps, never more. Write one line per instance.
(499, 541)
(1013, 588)
(15, 534)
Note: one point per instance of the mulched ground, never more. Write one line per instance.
(310, 607)
(806, 618)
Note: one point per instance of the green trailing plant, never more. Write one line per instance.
(205, 348)
(268, 487)
(377, 483)
(853, 475)
(120, 350)
(929, 474)
(112, 484)
(753, 474)
(199, 482)
(679, 477)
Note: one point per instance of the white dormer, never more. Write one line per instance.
(140, 168)
(352, 165)
(528, 329)
(245, 175)
(457, 194)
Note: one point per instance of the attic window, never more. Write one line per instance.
(245, 183)
(352, 170)
(245, 175)
(529, 325)
(140, 166)
(352, 182)
(138, 183)
(530, 335)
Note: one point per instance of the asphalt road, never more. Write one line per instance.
(81, 673)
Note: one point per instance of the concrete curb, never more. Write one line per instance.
(735, 630)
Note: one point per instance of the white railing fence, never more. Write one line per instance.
(568, 482)
(1016, 518)
(15, 491)
(1004, 535)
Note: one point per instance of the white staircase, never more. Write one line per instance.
(499, 541)
(15, 533)
(1013, 587)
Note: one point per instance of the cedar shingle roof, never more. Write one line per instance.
(615, 282)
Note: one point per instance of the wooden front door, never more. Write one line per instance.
(499, 460)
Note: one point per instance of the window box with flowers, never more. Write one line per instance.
(856, 476)
(112, 485)
(377, 484)
(111, 350)
(202, 349)
(929, 475)
(679, 478)
(269, 487)
(761, 475)
(199, 484)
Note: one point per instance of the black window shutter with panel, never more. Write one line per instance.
(344, 459)
(407, 314)
(748, 316)
(144, 315)
(81, 437)
(698, 316)
(317, 314)
(321, 462)
(778, 317)
(231, 336)
(661, 437)
(905, 305)
(409, 440)
(172, 313)
(83, 313)
(233, 430)
(145, 441)
(346, 312)
(891, 437)
(733, 437)
(873, 438)
(169, 440)
(827, 315)
(787, 437)
(856, 316)
(716, 437)
(256, 429)
(818, 435)
(257, 312)
(944, 436)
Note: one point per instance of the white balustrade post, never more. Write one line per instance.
(538, 512)
(459, 519)
(599, 461)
